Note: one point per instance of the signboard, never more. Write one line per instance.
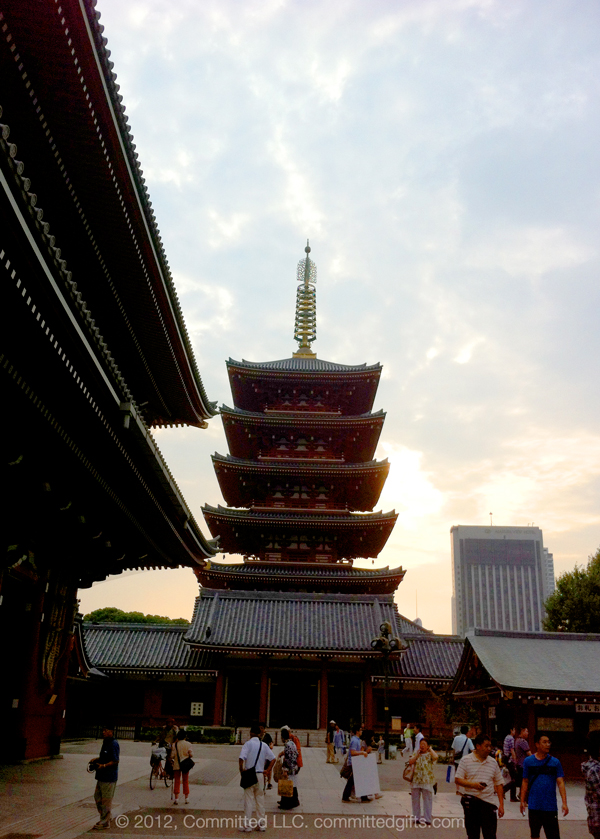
(396, 723)
(588, 708)
(197, 709)
(555, 724)
(492, 712)
(366, 777)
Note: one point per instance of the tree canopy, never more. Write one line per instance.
(110, 614)
(575, 605)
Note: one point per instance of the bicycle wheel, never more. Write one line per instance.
(168, 780)
(153, 776)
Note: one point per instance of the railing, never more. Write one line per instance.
(94, 732)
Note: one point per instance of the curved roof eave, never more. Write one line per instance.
(115, 100)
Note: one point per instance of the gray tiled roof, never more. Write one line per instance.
(289, 569)
(292, 620)
(305, 365)
(436, 657)
(144, 647)
(540, 661)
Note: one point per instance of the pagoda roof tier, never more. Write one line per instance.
(271, 576)
(255, 385)
(245, 482)
(246, 531)
(352, 438)
(264, 621)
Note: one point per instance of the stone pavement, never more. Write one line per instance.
(54, 800)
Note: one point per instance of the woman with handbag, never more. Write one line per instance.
(290, 763)
(181, 754)
(422, 781)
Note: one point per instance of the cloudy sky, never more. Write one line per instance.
(442, 156)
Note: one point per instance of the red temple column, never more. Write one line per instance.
(324, 697)
(219, 699)
(369, 721)
(264, 694)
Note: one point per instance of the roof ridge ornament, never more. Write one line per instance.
(305, 326)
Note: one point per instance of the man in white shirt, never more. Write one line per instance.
(461, 744)
(478, 778)
(418, 736)
(255, 754)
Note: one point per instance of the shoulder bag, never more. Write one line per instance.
(249, 776)
(278, 769)
(186, 764)
(346, 770)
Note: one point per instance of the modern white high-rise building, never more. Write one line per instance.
(550, 579)
(500, 578)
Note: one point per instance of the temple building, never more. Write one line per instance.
(94, 353)
(286, 634)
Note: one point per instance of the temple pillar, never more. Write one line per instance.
(219, 709)
(264, 694)
(369, 721)
(324, 697)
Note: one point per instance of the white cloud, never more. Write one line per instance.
(442, 159)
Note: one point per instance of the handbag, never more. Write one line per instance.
(249, 776)
(409, 771)
(186, 764)
(278, 769)
(285, 787)
(346, 770)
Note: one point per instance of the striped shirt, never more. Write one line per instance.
(483, 772)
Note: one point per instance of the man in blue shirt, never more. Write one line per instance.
(107, 773)
(355, 751)
(542, 773)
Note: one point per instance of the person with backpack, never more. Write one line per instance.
(542, 773)
(461, 745)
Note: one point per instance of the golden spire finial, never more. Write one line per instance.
(305, 327)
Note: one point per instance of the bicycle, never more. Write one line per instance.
(159, 773)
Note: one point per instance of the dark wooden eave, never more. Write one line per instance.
(61, 101)
(271, 576)
(243, 482)
(352, 388)
(354, 438)
(244, 531)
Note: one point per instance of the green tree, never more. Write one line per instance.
(110, 614)
(575, 605)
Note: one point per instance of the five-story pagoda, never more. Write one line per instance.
(302, 438)
(294, 621)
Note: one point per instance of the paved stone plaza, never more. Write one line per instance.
(54, 800)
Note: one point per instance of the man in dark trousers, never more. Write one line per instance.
(542, 773)
(479, 780)
(510, 761)
(522, 751)
(107, 773)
